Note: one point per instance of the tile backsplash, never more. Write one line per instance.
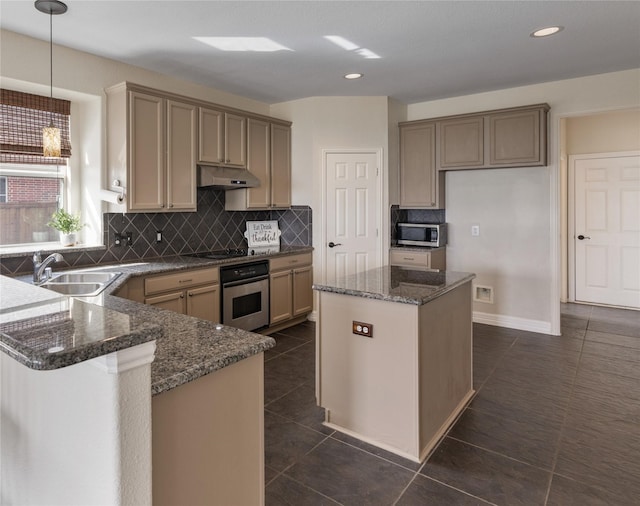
(210, 228)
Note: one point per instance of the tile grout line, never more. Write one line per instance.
(566, 415)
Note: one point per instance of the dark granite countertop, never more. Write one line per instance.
(186, 347)
(398, 284)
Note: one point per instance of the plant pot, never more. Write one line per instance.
(68, 239)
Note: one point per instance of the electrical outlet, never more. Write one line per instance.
(158, 235)
(129, 239)
(117, 241)
(475, 230)
(362, 329)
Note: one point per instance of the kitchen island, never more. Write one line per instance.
(394, 356)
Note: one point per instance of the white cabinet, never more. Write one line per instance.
(269, 159)
(151, 149)
(222, 138)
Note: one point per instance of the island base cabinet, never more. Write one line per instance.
(208, 438)
(403, 387)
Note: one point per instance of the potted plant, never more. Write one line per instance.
(67, 224)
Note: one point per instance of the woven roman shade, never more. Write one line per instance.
(22, 118)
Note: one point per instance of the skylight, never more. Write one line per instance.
(257, 44)
(347, 45)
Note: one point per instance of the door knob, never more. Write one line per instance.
(334, 244)
(583, 237)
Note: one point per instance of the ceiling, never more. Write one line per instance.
(427, 49)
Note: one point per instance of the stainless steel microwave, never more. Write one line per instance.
(422, 234)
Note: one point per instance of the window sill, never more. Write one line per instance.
(46, 248)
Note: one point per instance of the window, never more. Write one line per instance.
(31, 186)
(3, 189)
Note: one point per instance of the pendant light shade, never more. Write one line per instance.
(51, 141)
(51, 134)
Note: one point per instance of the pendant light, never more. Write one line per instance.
(51, 134)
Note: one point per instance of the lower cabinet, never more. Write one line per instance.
(194, 293)
(290, 287)
(434, 258)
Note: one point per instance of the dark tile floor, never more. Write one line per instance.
(555, 421)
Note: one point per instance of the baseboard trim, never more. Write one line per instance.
(512, 322)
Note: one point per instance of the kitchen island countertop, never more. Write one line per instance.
(398, 284)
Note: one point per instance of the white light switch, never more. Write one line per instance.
(475, 230)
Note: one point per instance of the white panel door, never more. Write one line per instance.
(607, 230)
(351, 214)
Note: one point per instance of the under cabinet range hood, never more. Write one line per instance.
(225, 178)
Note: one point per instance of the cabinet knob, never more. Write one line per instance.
(221, 159)
(182, 295)
(170, 205)
(161, 206)
(190, 294)
(228, 160)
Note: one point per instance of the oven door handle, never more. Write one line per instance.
(245, 281)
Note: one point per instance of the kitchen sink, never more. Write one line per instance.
(84, 277)
(86, 284)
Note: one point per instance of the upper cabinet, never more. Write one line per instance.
(514, 137)
(518, 138)
(151, 149)
(462, 142)
(269, 159)
(155, 140)
(222, 139)
(420, 184)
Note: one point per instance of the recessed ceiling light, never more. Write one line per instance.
(355, 75)
(259, 44)
(545, 32)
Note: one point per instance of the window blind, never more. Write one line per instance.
(22, 118)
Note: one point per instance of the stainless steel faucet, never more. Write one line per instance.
(41, 270)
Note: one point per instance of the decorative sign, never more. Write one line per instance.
(262, 233)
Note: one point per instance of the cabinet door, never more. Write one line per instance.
(259, 162)
(235, 140)
(461, 143)
(302, 291)
(211, 136)
(204, 303)
(181, 156)
(280, 296)
(417, 165)
(515, 139)
(280, 166)
(146, 152)
(173, 301)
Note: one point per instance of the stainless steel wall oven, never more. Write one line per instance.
(245, 295)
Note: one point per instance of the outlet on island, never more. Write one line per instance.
(362, 329)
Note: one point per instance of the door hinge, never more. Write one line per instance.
(377, 171)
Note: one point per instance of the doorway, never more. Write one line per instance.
(351, 212)
(604, 229)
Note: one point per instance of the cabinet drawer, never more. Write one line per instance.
(277, 264)
(184, 279)
(410, 258)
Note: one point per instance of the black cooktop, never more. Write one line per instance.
(221, 254)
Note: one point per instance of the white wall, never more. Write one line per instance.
(332, 123)
(539, 202)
